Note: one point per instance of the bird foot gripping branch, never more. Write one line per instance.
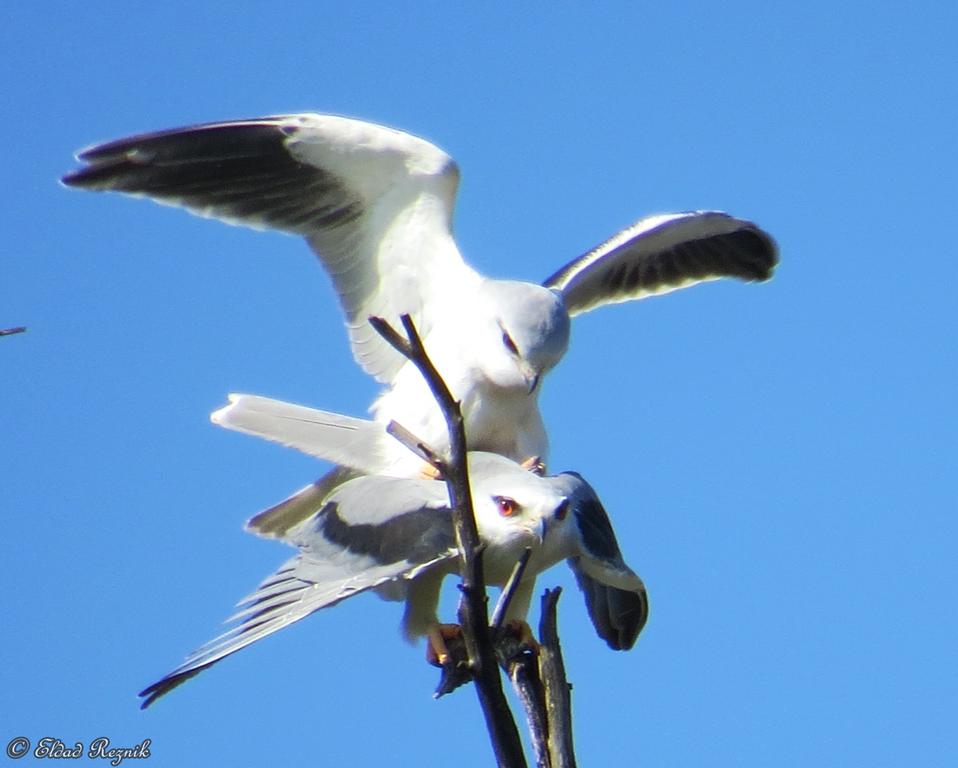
(443, 643)
(446, 649)
(515, 639)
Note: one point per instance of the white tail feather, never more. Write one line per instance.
(356, 443)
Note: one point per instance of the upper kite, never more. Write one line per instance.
(376, 206)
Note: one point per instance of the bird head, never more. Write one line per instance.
(516, 509)
(525, 333)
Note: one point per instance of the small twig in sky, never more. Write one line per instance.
(11, 331)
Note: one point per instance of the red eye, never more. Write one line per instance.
(507, 507)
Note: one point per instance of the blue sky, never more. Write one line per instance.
(778, 459)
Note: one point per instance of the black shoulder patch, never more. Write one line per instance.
(416, 536)
(596, 528)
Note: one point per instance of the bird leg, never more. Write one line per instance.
(535, 465)
(444, 644)
(447, 649)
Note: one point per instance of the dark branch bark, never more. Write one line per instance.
(556, 688)
(11, 331)
(541, 685)
(523, 671)
(473, 611)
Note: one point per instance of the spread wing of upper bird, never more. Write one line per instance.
(395, 536)
(376, 206)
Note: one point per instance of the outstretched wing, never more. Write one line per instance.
(614, 596)
(372, 531)
(344, 440)
(374, 203)
(663, 253)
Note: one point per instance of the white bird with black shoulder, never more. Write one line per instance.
(395, 536)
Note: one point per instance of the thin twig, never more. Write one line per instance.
(11, 331)
(509, 591)
(421, 448)
(473, 610)
(556, 688)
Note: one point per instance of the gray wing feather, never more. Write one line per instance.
(282, 600)
(663, 253)
(372, 530)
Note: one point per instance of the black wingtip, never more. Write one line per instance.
(748, 254)
(759, 253)
(618, 615)
(105, 176)
(162, 687)
(628, 613)
(74, 179)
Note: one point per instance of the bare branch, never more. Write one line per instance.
(473, 611)
(520, 663)
(11, 331)
(556, 688)
(541, 685)
(539, 679)
(523, 671)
